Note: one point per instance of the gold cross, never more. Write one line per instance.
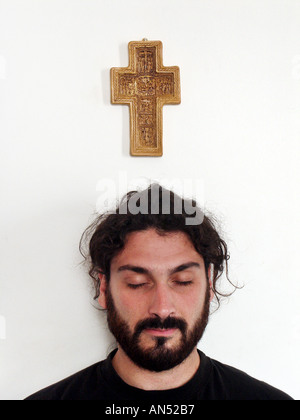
(145, 85)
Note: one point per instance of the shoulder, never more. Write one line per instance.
(75, 387)
(235, 384)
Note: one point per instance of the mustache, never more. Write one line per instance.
(158, 323)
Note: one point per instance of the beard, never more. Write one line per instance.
(160, 356)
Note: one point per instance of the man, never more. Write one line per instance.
(156, 271)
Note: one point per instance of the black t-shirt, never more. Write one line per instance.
(212, 381)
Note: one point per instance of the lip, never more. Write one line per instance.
(161, 333)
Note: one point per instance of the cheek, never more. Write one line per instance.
(131, 309)
(192, 306)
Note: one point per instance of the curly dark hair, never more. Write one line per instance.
(106, 236)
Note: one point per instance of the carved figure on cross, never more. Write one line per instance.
(146, 86)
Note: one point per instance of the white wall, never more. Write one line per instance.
(237, 131)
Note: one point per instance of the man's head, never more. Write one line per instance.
(156, 275)
(157, 299)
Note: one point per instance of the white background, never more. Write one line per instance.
(237, 131)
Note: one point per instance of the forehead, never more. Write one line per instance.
(151, 249)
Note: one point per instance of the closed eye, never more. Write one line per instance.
(178, 283)
(183, 283)
(135, 286)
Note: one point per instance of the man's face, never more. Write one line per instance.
(157, 299)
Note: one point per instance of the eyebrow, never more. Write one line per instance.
(134, 268)
(185, 266)
(142, 270)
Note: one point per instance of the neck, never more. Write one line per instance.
(158, 381)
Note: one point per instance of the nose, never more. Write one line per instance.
(162, 302)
